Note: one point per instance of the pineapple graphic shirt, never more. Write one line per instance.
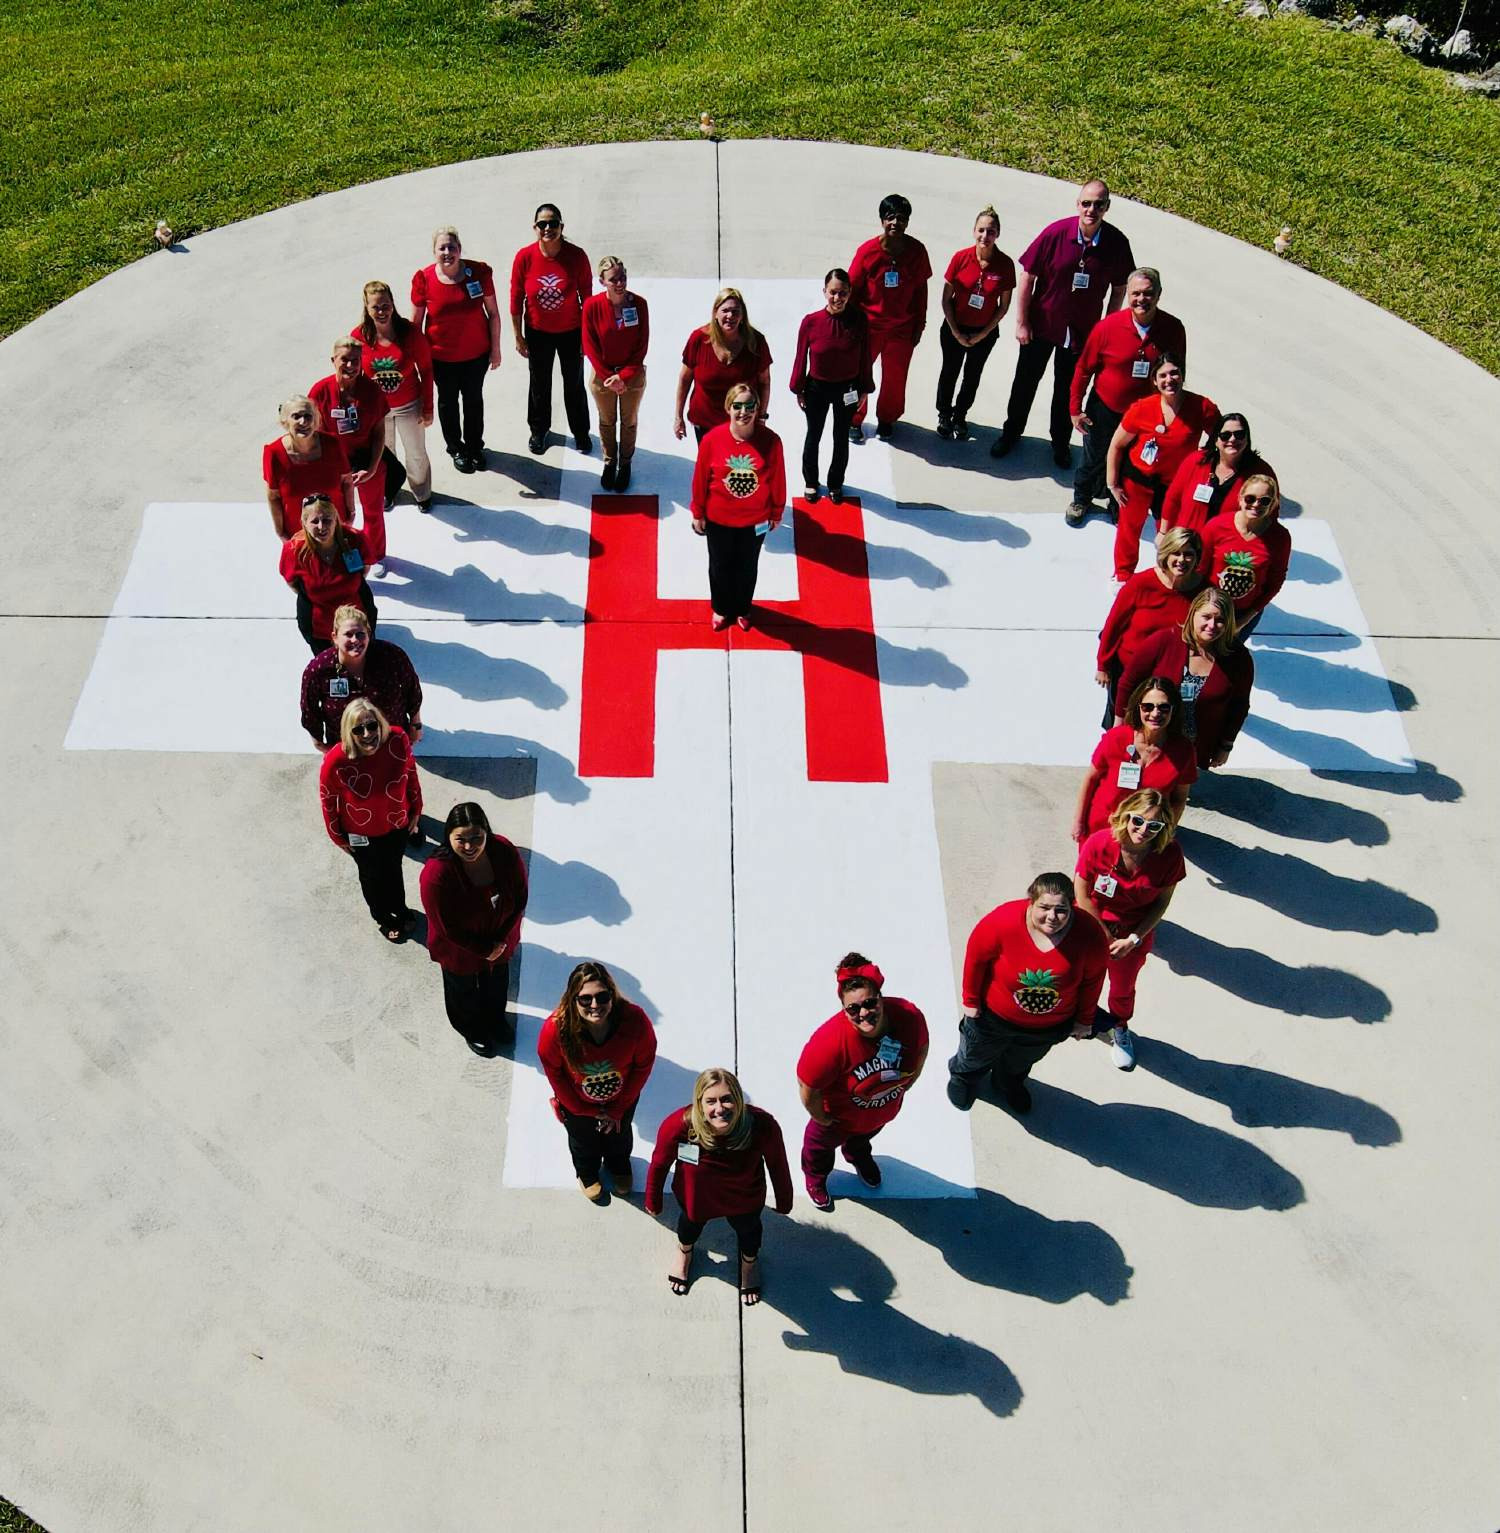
(1249, 571)
(738, 484)
(551, 291)
(608, 1077)
(401, 370)
(1009, 973)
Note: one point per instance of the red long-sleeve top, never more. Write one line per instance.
(738, 484)
(713, 378)
(370, 795)
(892, 290)
(292, 481)
(1159, 449)
(464, 919)
(615, 340)
(1142, 607)
(1265, 558)
(1221, 705)
(722, 1181)
(1118, 360)
(353, 420)
(978, 290)
(327, 585)
(457, 323)
(1007, 973)
(863, 1080)
(608, 1078)
(833, 348)
(400, 369)
(1196, 496)
(551, 289)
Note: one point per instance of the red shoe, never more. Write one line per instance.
(743, 623)
(718, 623)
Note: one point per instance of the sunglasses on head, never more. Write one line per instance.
(1140, 822)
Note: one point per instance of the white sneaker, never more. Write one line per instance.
(1122, 1049)
(376, 570)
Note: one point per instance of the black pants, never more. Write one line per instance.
(541, 348)
(455, 382)
(590, 1146)
(988, 1042)
(1030, 365)
(305, 616)
(380, 877)
(746, 1226)
(820, 398)
(733, 563)
(1088, 479)
(968, 360)
(476, 1003)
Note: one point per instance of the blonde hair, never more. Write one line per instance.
(347, 343)
(1270, 484)
(716, 335)
(443, 229)
(306, 550)
(1176, 540)
(287, 405)
(351, 613)
(988, 211)
(1151, 805)
(608, 263)
(361, 708)
(697, 1125)
(735, 392)
(1211, 596)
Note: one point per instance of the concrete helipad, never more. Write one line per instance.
(280, 1253)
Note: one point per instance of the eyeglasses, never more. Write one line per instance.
(1093, 202)
(744, 407)
(1156, 707)
(1232, 436)
(596, 1000)
(549, 223)
(1257, 500)
(1140, 822)
(861, 1008)
(369, 727)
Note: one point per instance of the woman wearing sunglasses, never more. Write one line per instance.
(597, 1050)
(1126, 875)
(1148, 750)
(1246, 552)
(371, 799)
(739, 495)
(616, 333)
(855, 1072)
(549, 281)
(1209, 481)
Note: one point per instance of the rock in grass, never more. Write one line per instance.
(1459, 49)
(1254, 10)
(1410, 35)
(1486, 84)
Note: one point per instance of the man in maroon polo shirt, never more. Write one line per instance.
(1073, 271)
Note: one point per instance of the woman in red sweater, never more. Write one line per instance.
(325, 565)
(549, 281)
(597, 1050)
(1147, 751)
(739, 495)
(453, 303)
(723, 1150)
(371, 800)
(304, 460)
(1033, 970)
(1208, 482)
(616, 333)
(831, 371)
(977, 289)
(726, 351)
(355, 408)
(398, 360)
(1147, 603)
(854, 1073)
(1216, 674)
(1155, 436)
(1126, 876)
(1246, 552)
(474, 892)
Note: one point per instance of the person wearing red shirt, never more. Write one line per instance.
(304, 461)
(398, 360)
(1073, 271)
(1209, 482)
(889, 275)
(726, 351)
(549, 282)
(357, 665)
(1148, 750)
(854, 1073)
(372, 799)
(739, 495)
(1116, 361)
(831, 371)
(723, 1151)
(1148, 602)
(474, 892)
(1246, 552)
(976, 293)
(325, 565)
(597, 1050)
(1126, 876)
(616, 333)
(454, 305)
(1154, 436)
(1033, 970)
(1216, 674)
(355, 410)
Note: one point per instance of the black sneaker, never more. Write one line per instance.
(885, 432)
(463, 462)
(607, 478)
(810, 494)
(856, 434)
(1076, 512)
(1002, 446)
(836, 494)
(961, 1092)
(425, 506)
(622, 476)
(865, 1168)
(960, 429)
(945, 426)
(475, 455)
(538, 443)
(584, 443)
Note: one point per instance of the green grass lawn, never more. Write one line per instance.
(211, 110)
(12, 1521)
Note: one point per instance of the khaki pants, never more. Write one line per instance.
(407, 420)
(625, 408)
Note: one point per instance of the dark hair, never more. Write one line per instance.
(1168, 358)
(1132, 714)
(544, 207)
(1210, 454)
(854, 961)
(566, 1016)
(840, 273)
(1050, 883)
(896, 204)
(463, 817)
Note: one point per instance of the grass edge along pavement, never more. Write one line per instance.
(211, 113)
(13, 1520)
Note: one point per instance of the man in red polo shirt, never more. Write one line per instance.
(1117, 360)
(1072, 272)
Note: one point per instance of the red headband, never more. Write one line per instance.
(867, 971)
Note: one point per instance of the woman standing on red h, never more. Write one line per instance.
(977, 288)
(356, 409)
(831, 371)
(855, 1072)
(549, 281)
(889, 275)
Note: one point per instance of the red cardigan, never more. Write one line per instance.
(464, 920)
(722, 1182)
(1143, 606)
(1112, 350)
(1186, 505)
(1222, 704)
(370, 795)
(608, 1080)
(611, 345)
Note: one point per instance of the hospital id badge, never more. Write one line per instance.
(1129, 775)
(1106, 884)
(762, 528)
(1140, 368)
(1149, 451)
(889, 1052)
(338, 686)
(893, 279)
(358, 840)
(353, 560)
(687, 1153)
(474, 289)
(348, 422)
(1080, 281)
(851, 396)
(1203, 493)
(630, 315)
(976, 300)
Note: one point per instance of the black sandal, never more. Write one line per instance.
(680, 1285)
(749, 1292)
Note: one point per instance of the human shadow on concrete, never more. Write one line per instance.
(1029, 459)
(1280, 629)
(1303, 891)
(842, 551)
(901, 666)
(959, 526)
(1310, 570)
(472, 673)
(1201, 1165)
(469, 593)
(547, 971)
(573, 891)
(1310, 681)
(1313, 750)
(1312, 991)
(1289, 509)
(1425, 782)
(467, 756)
(1259, 1098)
(850, 650)
(1267, 805)
(538, 479)
(511, 529)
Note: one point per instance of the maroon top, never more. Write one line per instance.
(1221, 704)
(464, 919)
(722, 1181)
(833, 348)
(389, 681)
(1058, 311)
